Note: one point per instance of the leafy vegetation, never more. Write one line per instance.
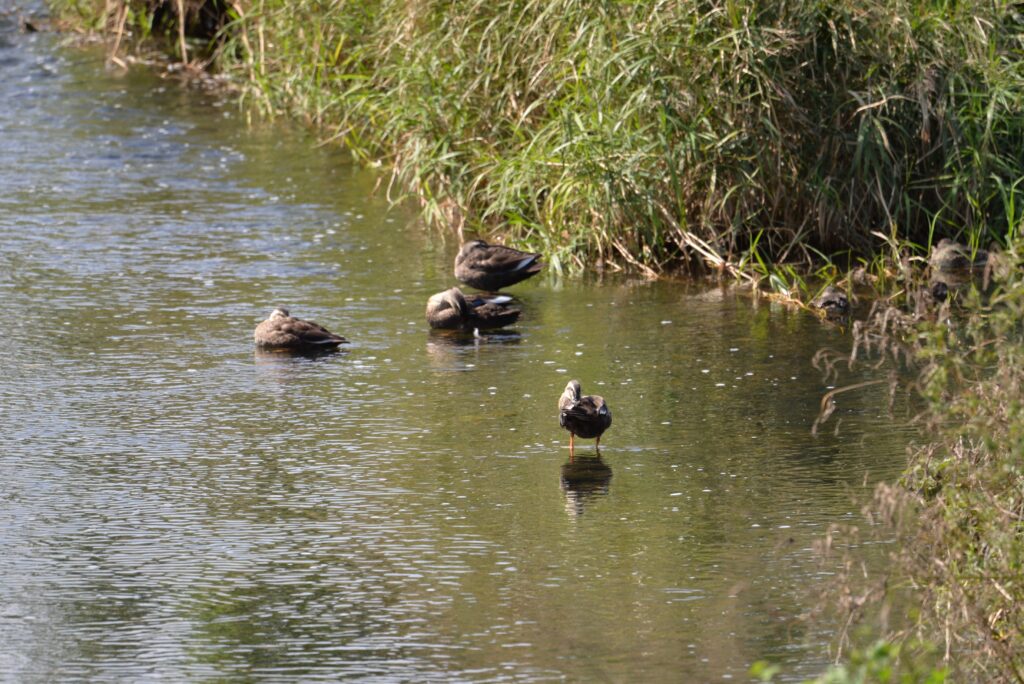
(640, 133)
(960, 506)
(957, 513)
(879, 663)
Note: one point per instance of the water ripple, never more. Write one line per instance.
(180, 506)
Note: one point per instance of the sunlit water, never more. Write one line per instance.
(178, 506)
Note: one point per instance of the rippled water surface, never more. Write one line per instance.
(178, 506)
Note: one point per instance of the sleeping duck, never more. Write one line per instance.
(453, 310)
(282, 331)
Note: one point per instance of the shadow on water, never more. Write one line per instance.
(285, 366)
(461, 338)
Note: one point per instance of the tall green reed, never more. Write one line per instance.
(644, 132)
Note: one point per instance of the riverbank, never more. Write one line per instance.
(957, 512)
(640, 136)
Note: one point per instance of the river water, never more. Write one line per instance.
(177, 506)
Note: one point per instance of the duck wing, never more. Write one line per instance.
(502, 258)
(310, 332)
(481, 299)
(585, 409)
(493, 315)
(299, 332)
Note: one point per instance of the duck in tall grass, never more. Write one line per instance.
(949, 256)
(493, 267)
(585, 416)
(833, 302)
(452, 310)
(284, 332)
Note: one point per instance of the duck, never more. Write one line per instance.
(939, 291)
(493, 267)
(283, 331)
(452, 310)
(586, 416)
(949, 256)
(833, 302)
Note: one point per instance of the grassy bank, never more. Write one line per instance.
(952, 601)
(644, 132)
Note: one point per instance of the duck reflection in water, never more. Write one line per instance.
(284, 367)
(288, 357)
(456, 350)
(584, 479)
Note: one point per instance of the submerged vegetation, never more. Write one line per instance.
(740, 135)
(646, 133)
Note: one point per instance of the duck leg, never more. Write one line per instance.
(572, 447)
(597, 444)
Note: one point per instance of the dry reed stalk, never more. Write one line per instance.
(180, 5)
(122, 17)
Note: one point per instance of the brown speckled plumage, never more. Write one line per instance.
(492, 267)
(582, 415)
(282, 331)
(452, 310)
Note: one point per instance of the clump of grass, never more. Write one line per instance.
(188, 30)
(642, 133)
(881, 662)
(957, 512)
(967, 490)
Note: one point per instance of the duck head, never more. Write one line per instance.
(454, 299)
(573, 390)
(468, 248)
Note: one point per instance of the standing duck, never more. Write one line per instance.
(282, 331)
(584, 416)
(452, 310)
(492, 267)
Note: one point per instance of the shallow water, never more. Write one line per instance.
(178, 505)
